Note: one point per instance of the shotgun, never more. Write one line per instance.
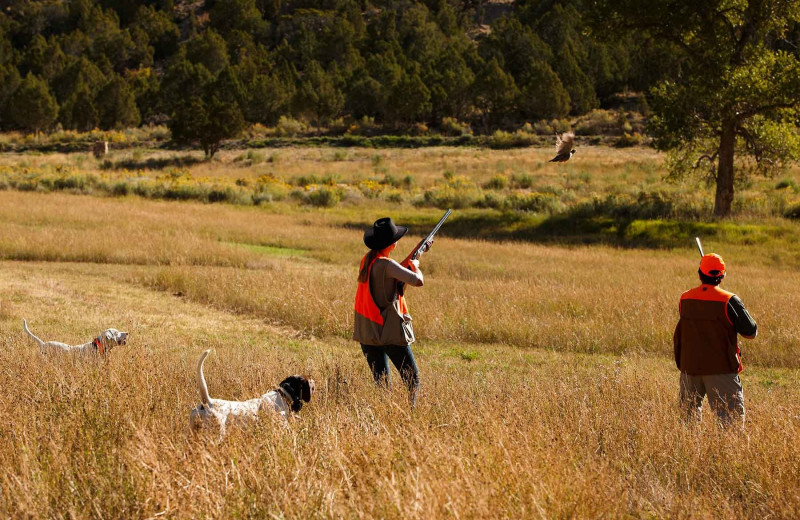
(424, 246)
(699, 246)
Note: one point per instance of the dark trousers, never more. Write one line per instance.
(402, 358)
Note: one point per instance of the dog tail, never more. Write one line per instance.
(37, 340)
(201, 379)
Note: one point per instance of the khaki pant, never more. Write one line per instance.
(724, 393)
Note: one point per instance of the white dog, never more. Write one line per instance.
(218, 413)
(102, 344)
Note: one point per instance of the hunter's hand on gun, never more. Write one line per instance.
(412, 261)
(412, 265)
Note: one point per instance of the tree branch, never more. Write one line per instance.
(763, 108)
(710, 158)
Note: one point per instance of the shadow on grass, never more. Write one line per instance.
(577, 228)
(151, 163)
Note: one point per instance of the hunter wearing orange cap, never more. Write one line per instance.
(706, 346)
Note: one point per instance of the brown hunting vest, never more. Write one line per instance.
(381, 319)
(705, 339)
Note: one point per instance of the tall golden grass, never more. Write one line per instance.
(548, 385)
(499, 432)
(580, 299)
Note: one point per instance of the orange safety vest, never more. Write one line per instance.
(370, 326)
(365, 303)
(705, 338)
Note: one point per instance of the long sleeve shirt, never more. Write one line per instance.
(742, 321)
(394, 273)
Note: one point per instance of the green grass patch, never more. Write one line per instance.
(270, 250)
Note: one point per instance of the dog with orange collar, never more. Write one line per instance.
(102, 344)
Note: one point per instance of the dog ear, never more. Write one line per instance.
(305, 389)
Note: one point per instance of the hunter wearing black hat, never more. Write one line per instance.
(382, 322)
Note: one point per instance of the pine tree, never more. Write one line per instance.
(542, 95)
(9, 82)
(318, 94)
(116, 105)
(495, 93)
(208, 49)
(32, 107)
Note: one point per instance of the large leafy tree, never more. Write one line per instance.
(735, 101)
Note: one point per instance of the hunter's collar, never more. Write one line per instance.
(98, 346)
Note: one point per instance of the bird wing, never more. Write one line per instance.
(564, 143)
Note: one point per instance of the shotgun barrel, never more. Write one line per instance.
(699, 246)
(424, 246)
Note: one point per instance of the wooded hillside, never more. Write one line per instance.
(105, 64)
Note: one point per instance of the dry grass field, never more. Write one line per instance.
(548, 389)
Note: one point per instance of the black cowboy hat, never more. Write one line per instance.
(383, 234)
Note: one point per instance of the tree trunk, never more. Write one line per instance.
(725, 174)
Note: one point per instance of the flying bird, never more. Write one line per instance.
(564, 149)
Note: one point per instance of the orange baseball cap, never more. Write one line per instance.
(712, 265)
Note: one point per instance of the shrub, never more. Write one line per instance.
(418, 129)
(269, 188)
(458, 193)
(560, 125)
(309, 180)
(337, 126)
(219, 194)
(445, 197)
(792, 212)
(288, 127)
(627, 140)
(365, 127)
(322, 197)
(182, 192)
(534, 202)
(491, 200)
(120, 189)
(370, 188)
(503, 140)
(394, 195)
(646, 205)
(498, 182)
(787, 183)
(523, 181)
(452, 127)
(251, 157)
(597, 122)
(389, 180)
(542, 128)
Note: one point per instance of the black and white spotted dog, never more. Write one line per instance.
(219, 413)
